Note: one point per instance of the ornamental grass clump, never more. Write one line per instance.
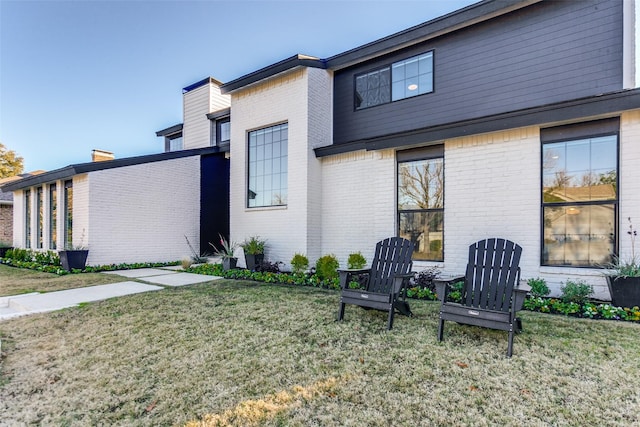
(626, 267)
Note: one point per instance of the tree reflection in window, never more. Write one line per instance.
(421, 206)
(579, 195)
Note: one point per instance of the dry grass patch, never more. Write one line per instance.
(15, 281)
(238, 353)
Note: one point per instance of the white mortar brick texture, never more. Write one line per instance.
(196, 131)
(284, 98)
(141, 213)
(81, 212)
(492, 186)
(358, 202)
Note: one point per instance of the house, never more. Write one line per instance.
(507, 118)
(6, 208)
(137, 209)
(516, 119)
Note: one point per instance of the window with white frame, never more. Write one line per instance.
(268, 169)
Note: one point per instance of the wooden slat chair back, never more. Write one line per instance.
(491, 274)
(390, 269)
(491, 295)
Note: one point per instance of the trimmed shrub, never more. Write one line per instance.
(356, 261)
(299, 263)
(577, 292)
(539, 287)
(327, 267)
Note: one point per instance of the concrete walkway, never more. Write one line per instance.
(21, 305)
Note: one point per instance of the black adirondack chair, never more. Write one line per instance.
(385, 281)
(491, 295)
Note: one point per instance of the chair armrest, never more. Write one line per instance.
(442, 285)
(520, 292)
(344, 275)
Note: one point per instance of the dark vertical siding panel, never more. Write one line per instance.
(214, 200)
(548, 52)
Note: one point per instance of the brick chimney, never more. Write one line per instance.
(101, 155)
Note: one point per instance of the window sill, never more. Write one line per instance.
(266, 208)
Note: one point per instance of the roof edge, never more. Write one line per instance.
(81, 168)
(294, 61)
(576, 109)
(170, 130)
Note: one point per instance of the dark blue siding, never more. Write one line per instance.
(548, 52)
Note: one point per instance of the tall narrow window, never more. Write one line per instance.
(68, 213)
(223, 131)
(40, 219)
(53, 217)
(579, 201)
(268, 157)
(27, 218)
(421, 201)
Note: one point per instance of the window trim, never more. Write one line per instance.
(248, 168)
(417, 154)
(53, 220)
(389, 66)
(218, 125)
(577, 132)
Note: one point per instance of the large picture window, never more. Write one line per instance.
(40, 218)
(421, 201)
(403, 79)
(53, 217)
(27, 218)
(579, 201)
(267, 160)
(68, 214)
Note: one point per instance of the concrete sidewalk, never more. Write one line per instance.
(21, 305)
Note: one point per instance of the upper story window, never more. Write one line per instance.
(268, 156)
(174, 142)
(579, 200)
(403, 79)
(223, 131)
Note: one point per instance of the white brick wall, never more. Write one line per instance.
(142, 213)
(196, 131)
(302, 98)
(358, 202)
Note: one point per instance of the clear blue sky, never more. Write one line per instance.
(79, 75)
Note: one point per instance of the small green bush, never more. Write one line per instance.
(577, 292)
(299, 263)
(539, 287)
(356, 261)
(327, 267)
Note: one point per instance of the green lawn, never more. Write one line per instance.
(16, 281)
(241, 353)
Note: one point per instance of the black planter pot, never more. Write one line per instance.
(3, 251)
(253, 260)
(625, 291)
(73, 260)
(229, 263)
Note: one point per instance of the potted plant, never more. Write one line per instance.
(253, 251)
(226, 252)
(74, 257)
(4, 248)
(623, 276)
